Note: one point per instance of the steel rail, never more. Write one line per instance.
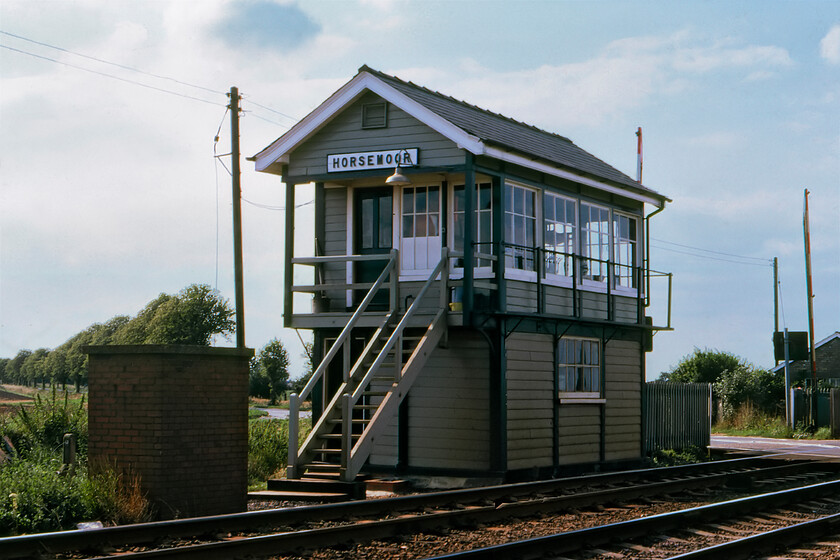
(678, 478)
(572, 541)
(748, 546)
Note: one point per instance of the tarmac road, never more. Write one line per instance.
(803, 447)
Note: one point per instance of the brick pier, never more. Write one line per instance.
(176, 416)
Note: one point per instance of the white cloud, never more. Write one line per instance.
(830, 45)
(627, 74)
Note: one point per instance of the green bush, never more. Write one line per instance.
(748, 385)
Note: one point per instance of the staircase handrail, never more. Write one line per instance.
(295, 399)
(345, 332)
(442, 270)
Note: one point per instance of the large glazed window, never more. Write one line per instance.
(559, 218)
(595, 242)
(483, 230)
(520, 227)
(579, 366)
(625, 236)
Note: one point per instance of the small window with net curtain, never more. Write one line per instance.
(579, 368)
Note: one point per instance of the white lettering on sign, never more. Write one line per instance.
(360, 161)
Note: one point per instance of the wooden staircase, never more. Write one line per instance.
(372, 389)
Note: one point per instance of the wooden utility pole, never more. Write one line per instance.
(807, 231)
(237, 217)
(775, 301)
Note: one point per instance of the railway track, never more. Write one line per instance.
(784, 518)
(294, 529)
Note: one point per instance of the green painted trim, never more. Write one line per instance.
(384, 173)
(498, 400)
(288, 254)
(469, 218)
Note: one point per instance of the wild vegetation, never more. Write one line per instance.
(38, 492)
(268, 447)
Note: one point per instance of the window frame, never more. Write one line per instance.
(484, 268)
(584, 279)
(513, 272)
(635, 253)
(579, 397)
(429, 215)
(551, 278)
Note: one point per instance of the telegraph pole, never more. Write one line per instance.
(807, 231)
(237, 216)
(775, 300)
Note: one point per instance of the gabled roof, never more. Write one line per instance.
(469, 127)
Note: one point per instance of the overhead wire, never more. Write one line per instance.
(112, 76)
(270, 207)
(103, 61)
(692, 251)
(252, 102)
(709, 250)
(767, 265)
(266, 120)
(139, 71)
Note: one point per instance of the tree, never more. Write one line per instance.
(192, 317)
(3, 363)
(136, 330)
(704, 366)
(14, 367)
(270, 368)
(56, 365)
(34, 369)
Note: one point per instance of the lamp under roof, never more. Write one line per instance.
(398, 179)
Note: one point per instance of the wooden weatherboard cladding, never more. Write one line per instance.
(344, 135)
(490, 400)
(580, 427)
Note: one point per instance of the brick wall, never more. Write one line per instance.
(828, 362)
(177, 416)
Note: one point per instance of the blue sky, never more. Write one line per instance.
(110, 195)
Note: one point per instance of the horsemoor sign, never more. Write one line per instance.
(360, 161)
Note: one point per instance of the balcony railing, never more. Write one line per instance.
(544, 267)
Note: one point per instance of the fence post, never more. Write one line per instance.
(291, 463)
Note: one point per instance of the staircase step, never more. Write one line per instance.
(338, 436)
(352, 490)
(289, 496)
